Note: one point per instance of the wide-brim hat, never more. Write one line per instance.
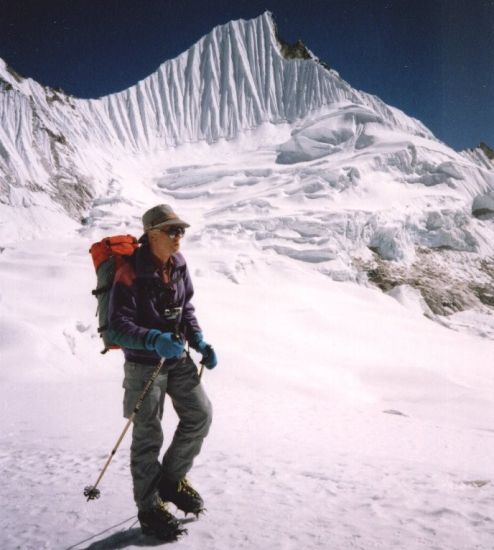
(159, 216)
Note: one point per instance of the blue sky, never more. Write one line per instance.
(433, 59)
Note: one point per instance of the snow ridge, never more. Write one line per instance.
(233, 79)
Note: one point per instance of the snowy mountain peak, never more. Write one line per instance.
(234, 79)
(12, 81)
(8, 75)
(9, 79)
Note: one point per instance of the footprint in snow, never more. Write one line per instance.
(477, 483)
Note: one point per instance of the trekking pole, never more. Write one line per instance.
(91, 491)
(201, 369)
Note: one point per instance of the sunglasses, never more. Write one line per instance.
(174, 231)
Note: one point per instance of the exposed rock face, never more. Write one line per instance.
(467, 285)
(489, 153)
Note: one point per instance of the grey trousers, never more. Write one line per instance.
(181, 382)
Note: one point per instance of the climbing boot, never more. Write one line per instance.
(182, 494)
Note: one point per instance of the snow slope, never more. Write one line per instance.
(342, 420)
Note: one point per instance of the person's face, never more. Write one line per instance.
(168, 238)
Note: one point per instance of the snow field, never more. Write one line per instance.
(341, 419)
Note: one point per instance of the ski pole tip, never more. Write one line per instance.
(91, 493)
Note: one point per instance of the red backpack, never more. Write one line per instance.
(108, 255)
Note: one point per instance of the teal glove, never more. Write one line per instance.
(209, 358)
(165, 344)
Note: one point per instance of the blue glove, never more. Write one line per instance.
(209, 358)
(165, 344)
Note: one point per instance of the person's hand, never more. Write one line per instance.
(165, 344)
(209, 357)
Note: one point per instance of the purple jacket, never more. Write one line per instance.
(138, 302)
